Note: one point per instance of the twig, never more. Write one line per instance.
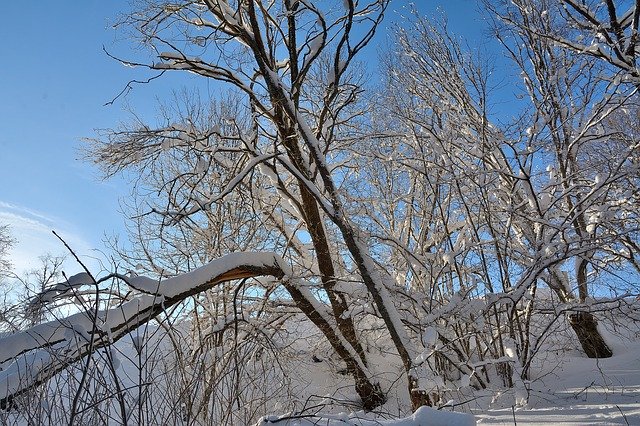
(623, 415)
(584, 389)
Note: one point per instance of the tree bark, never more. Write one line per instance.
(583, 323)
(586, 328)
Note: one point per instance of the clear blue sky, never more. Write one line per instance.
(55, 80)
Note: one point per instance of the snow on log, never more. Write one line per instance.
(30, 357)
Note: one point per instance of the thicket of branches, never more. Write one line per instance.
(407, 217)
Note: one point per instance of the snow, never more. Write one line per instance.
(26, 365)
(569, 389)
(316, 44)
(424, 416)
(429, 337)
(76, 279)
(167, 144)
(174, 286)
(201, 165)
(172, 55)
(582, 391)
(265, 170)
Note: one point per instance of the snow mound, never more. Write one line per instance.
(424, 416)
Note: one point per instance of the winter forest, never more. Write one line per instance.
(325, 242)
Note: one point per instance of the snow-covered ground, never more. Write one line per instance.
(308, 388)
(579, 391)
(582, 391)
(567, 389)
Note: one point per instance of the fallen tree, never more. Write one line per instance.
(35, 355)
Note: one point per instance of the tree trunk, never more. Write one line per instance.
(370, 392)
(586, 328)
(419, 397)
(583, 323)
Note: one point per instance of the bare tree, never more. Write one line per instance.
(40, 352)
(6, 318)
(571, 129)
(606, 30)
(5, 244)
(416, 211)
(493, 217)
(292, 61)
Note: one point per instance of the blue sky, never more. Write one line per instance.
(54, 81)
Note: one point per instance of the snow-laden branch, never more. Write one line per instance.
(30, 357)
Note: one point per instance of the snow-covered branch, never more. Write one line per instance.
(32, 356)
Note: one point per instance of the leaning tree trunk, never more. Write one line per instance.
(586, 328)
(583, 323)
(369, 391)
